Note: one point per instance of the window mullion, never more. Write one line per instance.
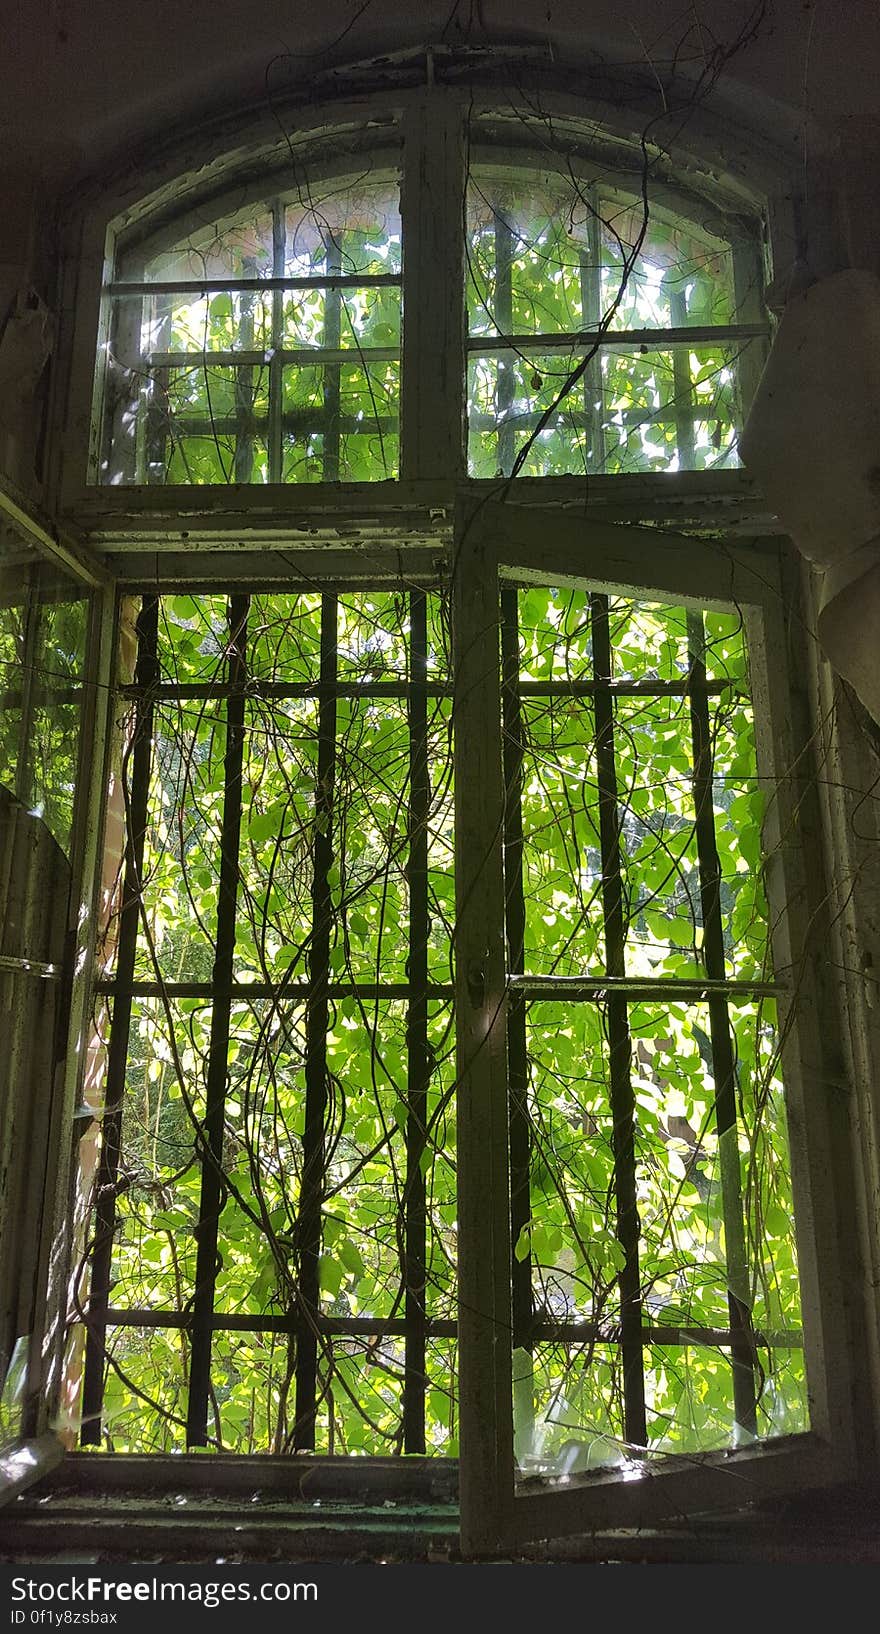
(723, 1062)
(619, 1043)
(317, 1018)
(433, 353)
(212, 1189)
(120, 1029)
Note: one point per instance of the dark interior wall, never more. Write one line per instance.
(94, 83)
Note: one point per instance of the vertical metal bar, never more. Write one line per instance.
(418, 1069)
(332, 371)
(682, 388)
(432, 198)
(317, 1013)
(513, 739)
(723, 1061)
(619, 1045)
(276, 342)
(243, 394)
(505, 386)
(146, 677)
(591, 314)
(515, 911)
(212, 1190)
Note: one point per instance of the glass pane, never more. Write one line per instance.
(626, 411)
(238, 246)
(154, 1247)
(270, 417)
(182, 845)
(553, 254)
(43, 634)
(354, 226)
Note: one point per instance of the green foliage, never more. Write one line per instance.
(569, 1391)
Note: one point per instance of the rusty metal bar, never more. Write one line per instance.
(434, 689)
(545, 1329)
(308, 1230)
(213, 1191)
(418, 1059)
(238, 286)
(619, 1044)
(515, 911)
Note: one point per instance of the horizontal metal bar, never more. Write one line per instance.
(365, 1327)
(615, 339)
(235, 286)
(238, 425)
(280, 690)
(671, 413)
(255, 688)
(573, 988)
(312, 355)
(288, 992)
(369, 1327)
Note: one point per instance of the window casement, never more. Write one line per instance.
(451, 1008)
(458, 1047)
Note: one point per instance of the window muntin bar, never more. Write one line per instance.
(311, 1195)
(619, 1045)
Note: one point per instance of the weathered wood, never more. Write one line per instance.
(432, 212)
(484, 1250)
(58, 1227)
(50, 542)
(27, 1462)
(816, 1091)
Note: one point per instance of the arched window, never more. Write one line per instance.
(264, 341)
(462, 959)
